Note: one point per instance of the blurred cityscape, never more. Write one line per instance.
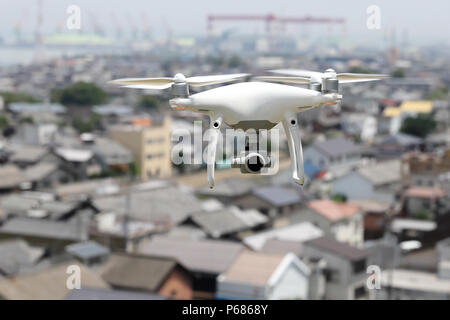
(86, 176)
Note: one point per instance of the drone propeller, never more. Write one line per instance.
(331, 74)
(165, 82)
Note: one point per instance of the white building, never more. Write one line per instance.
(256, 275)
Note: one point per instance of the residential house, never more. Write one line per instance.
(12, 178)
(376, 216)
(41, 133)
(345, 268)
(51, 235)
(378, 181)
(88, 253)
(228, 222)
(429, 170)
(205, 259)
(228, 190)
(342, 221)
(426, 202)
(150, 145)
(17, 256)
(394, 146)
(258, 275)
(160, 275)
(333, 154)
(360, 125)
(393, 117)
(46, 175)
(28, 155)
(42, 205)
(273, 200)
(47, 284)
(80, 163)
(400, 284)
(299, 232)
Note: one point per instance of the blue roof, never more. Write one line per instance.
(110, 109)
(310, 169)
(278, 196)
(21, 107)
(87, 250)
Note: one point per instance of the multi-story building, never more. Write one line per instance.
(150, 145)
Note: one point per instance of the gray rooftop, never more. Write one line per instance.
(341, 249)
(87, 250)
(11, 177)
(279, 196)
(336, 147)
(231, 187)
(138, 272)
(401, 139)
(40, 171)
(210, 256)
(21, 107)
(168, 204)
(41, 229)
(26, 153)
(382, 173)
(283, 246)
(220, 222)
(111, 109)
(17, 255)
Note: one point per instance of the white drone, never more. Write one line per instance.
(260, 104)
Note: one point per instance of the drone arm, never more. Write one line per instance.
(292, 130)
(216, 122)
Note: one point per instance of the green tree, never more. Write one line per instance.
(419, 126)
(235, 62)
(3, 122)
(10, 97)
(398, 73)
(359, 69)
(439, 94)
(148, 102)
(79, 94)
(339, 197)
(87, 125)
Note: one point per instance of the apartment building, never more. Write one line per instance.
(150, 144)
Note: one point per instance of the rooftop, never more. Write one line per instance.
(11, 177)
(49, 284)
(382, 173)
(253, 267)
(87, 250)
(425, 192)
(415, 280)
(336, 147)
(141, 273)
(279, 196)
(341, 249)
(108, 294)
(333, 210)
(299, 232)
(210, 256)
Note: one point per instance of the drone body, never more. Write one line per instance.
(254, 105)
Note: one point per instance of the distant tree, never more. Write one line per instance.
(439, 94)
(79, 94)
(398, 73)
(3, 122)
(339, 197)
(26, 119)
(358, 69)
(148, 102)
(89, 125)
(235, 62)
(10, 97)
(419, 126)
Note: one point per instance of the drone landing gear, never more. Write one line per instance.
(290, 125)
(216, 123)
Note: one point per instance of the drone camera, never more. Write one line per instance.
(252, 162)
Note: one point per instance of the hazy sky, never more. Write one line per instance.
(424, 21)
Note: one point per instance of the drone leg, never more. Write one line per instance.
(216, 122)
(292, 130)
